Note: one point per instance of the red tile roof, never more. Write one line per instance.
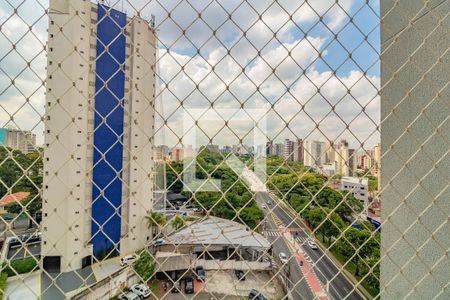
(11, 198)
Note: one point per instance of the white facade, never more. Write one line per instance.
(69, 123)
(24, 141)
(357, 186)
(314, 154)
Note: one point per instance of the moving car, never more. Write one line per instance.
(255, 295)
(264, 206)
(200, 274)
(128, 260)
(283, 257)
(141, 290)
(239, 274)
(129, 296)
(189, 285)
(312, 244)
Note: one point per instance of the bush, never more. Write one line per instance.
(3, 278)
(21, 266)
(145, 265)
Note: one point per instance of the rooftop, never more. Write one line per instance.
(12, 198)
(355, 180)
(218, 231)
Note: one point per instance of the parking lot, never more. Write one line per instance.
(24, 246)
(226, 282)
(224, 285)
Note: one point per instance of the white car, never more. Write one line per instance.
(264, 206)
(159, 242)
(283, 257)
(128, 260)
(312, 245)
(141, 290)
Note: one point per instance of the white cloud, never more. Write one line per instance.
(193, 82)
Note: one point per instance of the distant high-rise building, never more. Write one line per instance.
(269, 148)
(298, 150)
(99, 134)
(177, 154)
(314, 154)
(377, 155)
(22, 140)
(212, 147)
(288, 150)
(161, 152)
(331, 154)
(345, 159)
(279, 149)
(226, 149)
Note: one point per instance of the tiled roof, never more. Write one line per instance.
(11, 198)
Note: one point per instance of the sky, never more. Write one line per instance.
(219, 62)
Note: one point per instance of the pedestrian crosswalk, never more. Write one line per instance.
(274, 233)
(301, 239)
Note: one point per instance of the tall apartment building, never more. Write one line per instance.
(314, 154)
(22, 140)
(377, 155)
(298, 150)
(177, 154)
(278, 149)
(345, 159)
(288, 150)
(99, 134)
(269, 148)
(161, 152)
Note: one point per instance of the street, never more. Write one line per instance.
(336, 285)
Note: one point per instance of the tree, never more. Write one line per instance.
(358, 244)
(178, 222)
(155, 220)
(325, 222)
(145, 265)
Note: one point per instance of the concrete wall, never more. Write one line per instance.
(108, 287)
(415, 73)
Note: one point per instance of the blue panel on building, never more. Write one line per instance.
(108, 120)
(2, 136)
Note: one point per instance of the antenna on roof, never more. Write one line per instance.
(152, 21)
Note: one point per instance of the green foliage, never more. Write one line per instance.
(145, 265)
(21, 173)
(21, 266)
(155, 220)
(178, 222)
(235, 196)
(3, 278)
(325, 222)
(32, 204)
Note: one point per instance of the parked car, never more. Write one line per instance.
(128, 260)
(200, 274)
(255, 295)
(159, 242)
(189, 285)
(129, 296)
(141, 290)
(283, 257)
(239, 274)
(312, 244)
